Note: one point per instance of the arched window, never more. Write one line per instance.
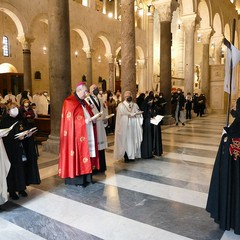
(5, 46)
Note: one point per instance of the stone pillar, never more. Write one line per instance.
(149, 86)
(27, 68)
(165, 17)
(218, 40)
(205, 39)
(92, 4)
(111, 73)
(104, 7)
(189, 26)
(128, 68)
(116, 9)
(89, 66)
(142, 84)
(59, 66)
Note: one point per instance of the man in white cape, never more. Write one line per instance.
(128, 130)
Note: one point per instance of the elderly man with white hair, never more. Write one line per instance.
(128, 130)
(78, 140)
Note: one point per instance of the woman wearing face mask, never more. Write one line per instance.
(26, 110)
(111, 103)
(152, 135)
(21, 153)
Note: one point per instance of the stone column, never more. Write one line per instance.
(218, 40)
(165, 17)
(27, 68)
(92, 4)
(89, 66)
(59, 66)
(116, 9)
(205, 39)
(128, 68)
(111, 73)
(149, 86)
(104, 7)
(189, 26)
(142, 84)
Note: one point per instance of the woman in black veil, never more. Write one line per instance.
(152, 135)
(223, 202)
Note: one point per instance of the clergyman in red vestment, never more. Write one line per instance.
(78, 140)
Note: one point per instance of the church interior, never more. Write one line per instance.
(142, 46)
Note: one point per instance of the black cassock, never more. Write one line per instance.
(223, 202)
(22, 173)
(152, 135)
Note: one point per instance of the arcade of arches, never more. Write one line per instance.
(154, 45)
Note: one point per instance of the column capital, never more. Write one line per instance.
(188, 21)
(205, 35)
(25, 41)
(88, 52)
(110, 58)
(141, 63)
(217, 39)
(165, 9)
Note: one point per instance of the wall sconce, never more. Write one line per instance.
(179, 26)
(149, 10)
(76, 54)
(110, 15)
(199, 38)
(99, 59)
(44, 49)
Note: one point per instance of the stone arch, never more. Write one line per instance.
(43, 17)
(227, 32)
(217, 24)
(17, 18)
(188, 7)
(204, 13)
(140, 52)
(84, 37)
(106, 43)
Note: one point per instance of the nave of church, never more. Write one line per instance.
(160, 198)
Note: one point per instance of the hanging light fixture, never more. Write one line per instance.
(149, 10)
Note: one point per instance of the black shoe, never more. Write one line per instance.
(22, 193)
(13, 196)
(183, 124)
(176, 124)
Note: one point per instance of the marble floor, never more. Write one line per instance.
(154, 199)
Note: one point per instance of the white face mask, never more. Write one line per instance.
(13, 112)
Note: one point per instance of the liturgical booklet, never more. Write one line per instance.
(97, 115)
(24, 134)
(156, 120)
(109, 116)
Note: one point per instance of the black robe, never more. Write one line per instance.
(152, 135)
(22, 173)
(223, 202)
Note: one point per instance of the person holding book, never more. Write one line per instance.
(128, 130)
(78, 139)
(98, 106)
(21, 153)
(152, 135)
